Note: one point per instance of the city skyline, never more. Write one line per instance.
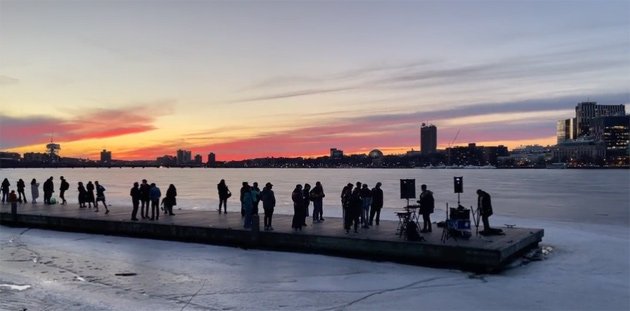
(255, 79)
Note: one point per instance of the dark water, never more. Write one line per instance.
(584, 196)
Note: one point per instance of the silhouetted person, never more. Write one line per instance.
(90, 198)
(154, 195)
(20, 189)
(135, 200)
(224, 194)
(484, 207)
(306, 194)
(268, 199)
(5, 190)
(354, 210)
(366, 201)
(247, 197)
(34, 191)
(100, 196)
(62, 190)
(297, 197)
(82, 195)
(346, 192)
(244, 189)
(170, 199)
(377, 204)
(317, 195)
(256, 197)
(49, 188)
(145, 198)
(427, 205)
(13, 199)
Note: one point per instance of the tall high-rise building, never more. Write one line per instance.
(585, 112)
(106, 156)
(566, 130)
(212, 160)
(198, 159)
(428, 138)
(614, 133)
(183, 157)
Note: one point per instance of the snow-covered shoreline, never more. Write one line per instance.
(588, 269)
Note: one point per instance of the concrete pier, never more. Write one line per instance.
(381, 242)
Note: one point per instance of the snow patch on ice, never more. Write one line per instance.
(15, 287)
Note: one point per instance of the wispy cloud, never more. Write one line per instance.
(562, 63)
(294, 94)
(6, 80)
(92, 124)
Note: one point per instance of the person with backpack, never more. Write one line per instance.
(427, 205)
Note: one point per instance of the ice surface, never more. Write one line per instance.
(588, 269)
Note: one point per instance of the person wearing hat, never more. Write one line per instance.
(269, 202)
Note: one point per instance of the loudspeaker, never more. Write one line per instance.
(407, 188)
(458, 184)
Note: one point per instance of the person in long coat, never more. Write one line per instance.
(90, 194)
(5, 190)
(247, 203)
(377, 203)
(427, 205)
(170, 199)
(34, 190)
(268, 199)
(299, 213)
(484, 206)
(82, 195)
(306, 198)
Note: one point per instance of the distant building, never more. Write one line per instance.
(166, 160)
(52, 150)
(336, 153)
(10, 156)
(585, 112)
(476, 155)
(35, 157)
(106, 156)
(183, 157)
(198, 159)
(528, 156)
(212, 160)
(614, 133)
(579, 150)
(377, 157)
(566, 130)
(428, 138)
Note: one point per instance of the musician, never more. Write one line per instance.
(427, 205)
(484, 207)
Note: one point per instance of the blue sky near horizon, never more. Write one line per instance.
(255, 78)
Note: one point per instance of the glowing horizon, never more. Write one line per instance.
(243, 80)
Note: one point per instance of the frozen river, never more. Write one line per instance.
(584, 214)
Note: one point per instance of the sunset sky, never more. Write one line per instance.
(274, 78)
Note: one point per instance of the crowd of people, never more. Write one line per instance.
(147, 197)
(361, 205)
